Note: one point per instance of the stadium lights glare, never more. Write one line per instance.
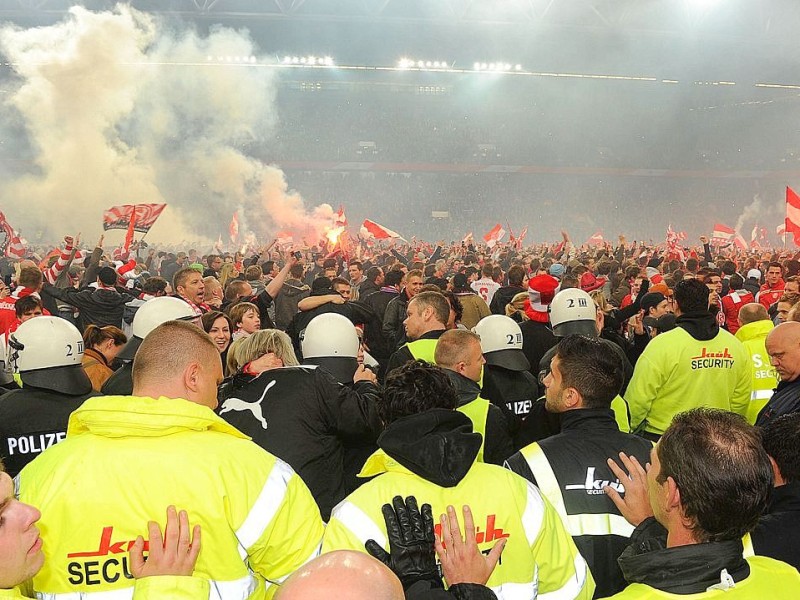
(422, 65)
(496, 67)
(309, 61)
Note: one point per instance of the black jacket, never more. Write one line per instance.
(502, 297)
(513, 392)
(577, 456)
(378, 301)
(393, 330)
(303, 415)
(537, 339)
(497, 446)
(292, 291)
(120, 383)
(357, 312)
(681, 570)
(31, 420)
(98, 306)
(777, 534)
(785, 401)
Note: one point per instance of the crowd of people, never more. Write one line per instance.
(393, 421)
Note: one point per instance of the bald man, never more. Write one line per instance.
(754, 327)
(126, 458)
(783, 346)
(356, 575)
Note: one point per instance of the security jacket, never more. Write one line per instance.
(695, 364)
(656, 572)
(754, 337)
(431, 455)
(174, 587)
(570, 469)
(125, 459)
(304, 416)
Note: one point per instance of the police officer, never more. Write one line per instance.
(507, 380)
(570, 468)
(46, 352)
(331, 342)
(149, 316)
(302, 414)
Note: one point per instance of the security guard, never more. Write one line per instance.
(507, 380)
(459, 353)
(149, 316)
(754, 326)
(695, 364)
(126, 458)
(46, 353)
(426, 320)
(570, 468)
(429, 451)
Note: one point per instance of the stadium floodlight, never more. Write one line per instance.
(518, 67)
(477, 66)
(295, 60)
(312, 60)
(328, 61)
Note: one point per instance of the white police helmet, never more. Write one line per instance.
(501, 342)
(150, 315)
(573, 311)
(330, 340)
(47, 353)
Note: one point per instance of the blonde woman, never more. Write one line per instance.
(299, 413)
(227, 273)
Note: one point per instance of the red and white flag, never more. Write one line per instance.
(781, 229)
(339, 218)
(379, 232)
(673, 245)
(467, 238)
(740, 242)
(793, 214)
(722, 233)
(522, 235)
(595, 240)
(10, 243)
(495, 235)
(284, 238)
(119, 217)
(233, 228)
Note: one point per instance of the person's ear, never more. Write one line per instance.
(191, 377)
(571, 398)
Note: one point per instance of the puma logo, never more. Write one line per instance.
(254, 407)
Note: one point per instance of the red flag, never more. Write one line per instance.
(495, 235)
(129, 234)
(339, 218)
(379, 232)
(119, 217)
(740, 242)
(793, 214)
(10, 243)
(595, 240)
(233, 228)
(722, 233)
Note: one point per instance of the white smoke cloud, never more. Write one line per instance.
(760, 213)
(119, 108)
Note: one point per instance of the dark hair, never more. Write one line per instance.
(26, 304)
(211, 258)
(329, 263)
(515, 275)
(436, 301)
(454, 303)
(209, 318)
(267, 266)
(107, 276)
(339, 281)
(95, 335)
(356, 263)
(155, 285)
(429, 270)
(393, 278)
(592, 368)
(691, 264)
(728, 267)
(691, 295)
(253, 273)
(781, 440)
(721, 470)
(235, 290)
(414, 388)
(774, 264)
(569, 281)
(373, 273)
(296, 270)
(736, 282)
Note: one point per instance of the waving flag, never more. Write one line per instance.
(233, 228)
(793, 214)
(673, 246)
(595, 240)
(10, 243)
(379, 232)
(495, 235)
(339, 218)
(722, 234)
(145, 215)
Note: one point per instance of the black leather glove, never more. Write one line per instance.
(411, 554)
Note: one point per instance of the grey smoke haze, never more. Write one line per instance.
(110, 123)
